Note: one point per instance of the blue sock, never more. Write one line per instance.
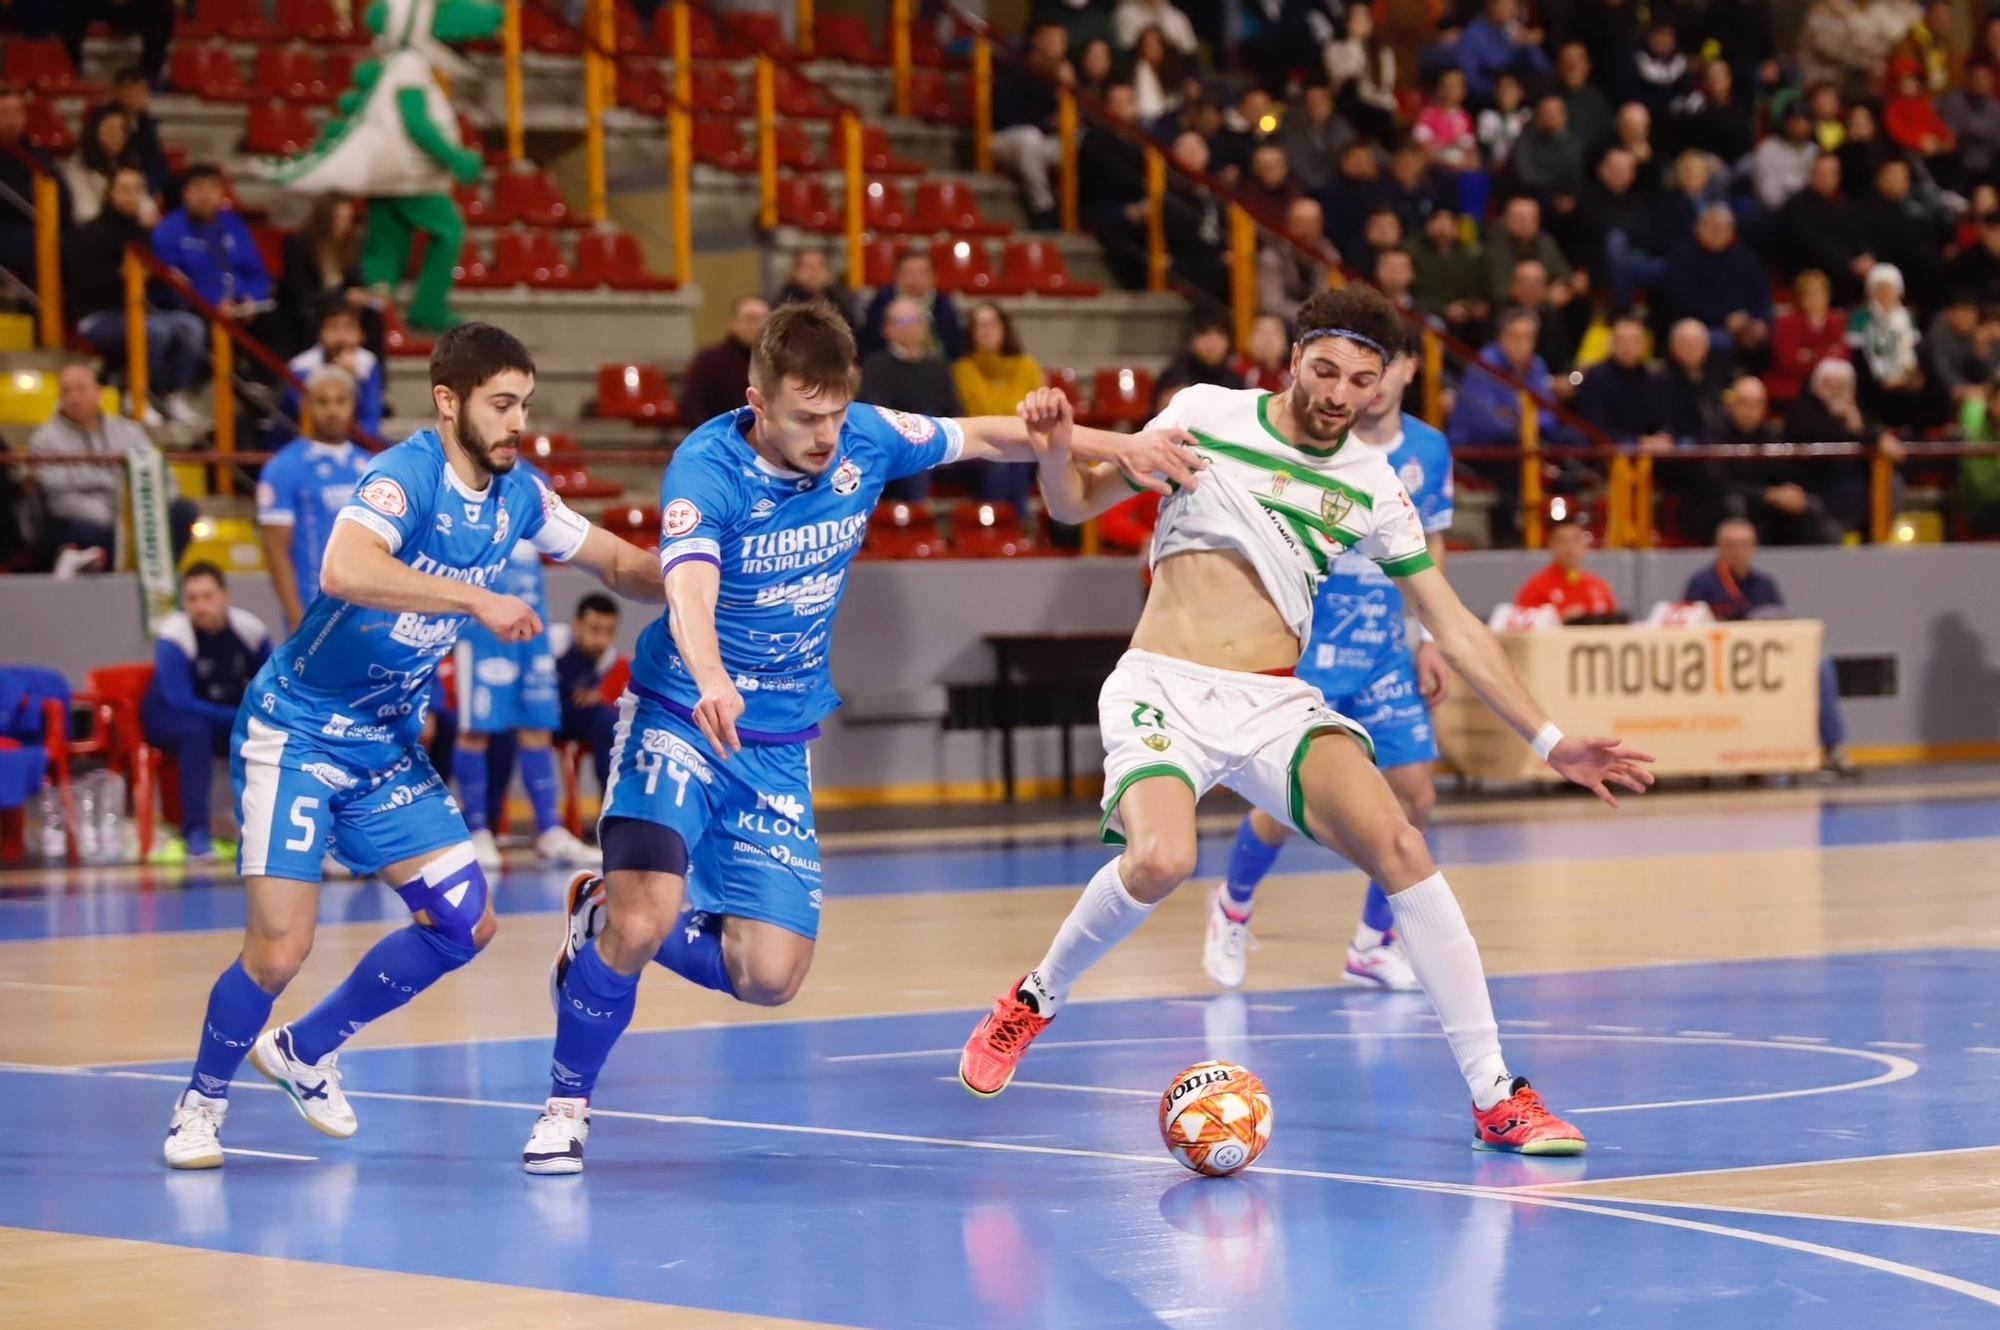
(693, 950)
(538, 773)
(395, 970)
(1375, 911)
(1248, 862)
(597, 1004)
(469, 768)
(237, 1010)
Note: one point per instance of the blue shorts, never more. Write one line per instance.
(1390, 706)
(302, 792)
(505, 686)
(748, 821)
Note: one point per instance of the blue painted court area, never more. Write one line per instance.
(835, 1171)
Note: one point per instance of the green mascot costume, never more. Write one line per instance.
(395, 143)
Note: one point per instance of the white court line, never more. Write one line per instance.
(1949, 1283)
(1801, 1039)
(1610, 1196)
(1616, 1029)
(269, 1154)
(1890, 1043)
(1760, 1168)
(30, 985)
(1703, 1034)
(1899, 1069)
(1976, 1048)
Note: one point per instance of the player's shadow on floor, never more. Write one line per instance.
(1961, 687)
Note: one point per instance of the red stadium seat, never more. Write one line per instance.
(238, 20)
(208, 72)
(987, 531)
(877, 157)
(1039, 266)
(474, 273)
(878, 261)
(283, 72)
(752, 31)
(477, 208)
(718, 143)
(803, 202)
(925, 49)
(883, 208)
(800, 98)
(716, 90)
(340, 67)
(632, 37)
(613, 259)
(936, 99)
(643, 89)
(270, 247)
(315, 21)
(636, 392)
(534, 197)
(575, 482)
(531, 258)
(278, 129)
(47, 129)
(705, 42)
(398, 339)
(44, 66)
(1065, 381)
(796, 150)
(899, 530)
(547, 449)
(944, 205)
(844, 37)
(1123, 396)
(542, 31)
(964, 266)
(640, 526)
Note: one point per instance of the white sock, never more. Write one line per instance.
(1446, 960)
(1104, 916)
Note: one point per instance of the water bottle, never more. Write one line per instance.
(54, 829)
(87, 817)
(114, 824)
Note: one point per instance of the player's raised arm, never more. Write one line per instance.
(1595, 764)
(622, 566)
(1072, 491)
(1159, 460)
(361, 569)
(693, 585)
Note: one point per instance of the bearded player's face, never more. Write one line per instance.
(491, 420)
(1332, 380)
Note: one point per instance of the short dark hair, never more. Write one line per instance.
(1210, 321)
(807, 341)
(1010, 340)
(596, 602)
(202, 171)
(129, 74)
(337, 306)
(203, 568)
(1353, 308)
(472, 353)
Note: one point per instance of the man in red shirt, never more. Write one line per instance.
(1565, 584)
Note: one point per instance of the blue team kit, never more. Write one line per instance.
(1358, 656)
(304, 487)
(326, 753)
(783, 543)
(504, 686)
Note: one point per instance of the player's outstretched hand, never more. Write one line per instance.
(1050, 419)
(716, 714)
(510, 618)
(1433, 679)
(1598, 764)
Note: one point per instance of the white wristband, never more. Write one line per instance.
(1545, 740)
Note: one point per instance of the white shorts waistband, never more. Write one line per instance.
(1153, 660)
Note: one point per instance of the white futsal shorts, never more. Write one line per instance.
(1166, 717)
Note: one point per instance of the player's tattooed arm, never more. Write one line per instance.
(360, 570)
(1595, 764)
(622, 566)
(1161, 460)
(1072, 491)
(693, 586)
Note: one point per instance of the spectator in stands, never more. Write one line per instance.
(1733, 589)
(1281, 40)
(1196, 225)
(907, 374)
(212, 247)
(1691, 384)
(1781, 163)
(1696, 184)
(1133, 17)
(1847, 42)
(301, 490)
(1095, 65)
(1811, 331)
(151, 21)
(1314, 137)
(812, 279)
(1159, 76)
(718, 375)
(993, 381)
(1111, 188)
(1715, 278)
(1658, 70)
(1451, 275)
(1912, 119)
(1500, 126)
(1903, 232)
(1518, 235)
(105, 146)
(132, 93)
(916, 280)
(1608, 31)
(323, 263)
(1611, 232)
(1270, 190)
(1972, 113)
(1768, 493)
(1821, 229)
(1620, 394)
(1382, 233)
(1964, 351)
(1564, 317)
(339, 343)
(1488, 410)
(1413, 189)
(1976, 271)
(1548, 161)
(94, 296)
(1354, 194)
(1829, 116)
(1712, 118)
(1862, 148)
(588, 716)
(81, 498)
(19, 164)
(1024, 120)
(1574, 592)
(1884, 338)
(1444, 127)
(203, 661)
(1267, 361)
(1246, 126)
(1205, 358)
(1395, 276)
(1499, 42)
(1288, 273)
(1632, 130)
(1087, 21)
(1585, 104)
(1361, 66)
(1830, 412)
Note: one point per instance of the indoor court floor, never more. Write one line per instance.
(1774, 1012)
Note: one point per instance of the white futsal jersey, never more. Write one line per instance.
(1289, 510)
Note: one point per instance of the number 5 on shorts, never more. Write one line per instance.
(301, 808)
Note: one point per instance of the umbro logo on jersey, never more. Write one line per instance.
(444, 524)
(761, 509)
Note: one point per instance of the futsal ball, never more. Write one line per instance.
(1216, 1118)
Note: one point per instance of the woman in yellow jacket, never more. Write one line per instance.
(991, 382)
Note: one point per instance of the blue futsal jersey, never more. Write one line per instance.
(783, 543)
(504, 686)
(304, 487)
(1358, 620)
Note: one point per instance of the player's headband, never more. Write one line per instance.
(1316, 334)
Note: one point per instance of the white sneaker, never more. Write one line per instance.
(194, 1137)
(560, 846)
(183, 412)
(556, 1144)
(583, 916)
(1225, 952)
(486, 850)
(72, 559)
(1382, 966)
(313, 1087)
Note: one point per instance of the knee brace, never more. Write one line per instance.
(452, 890)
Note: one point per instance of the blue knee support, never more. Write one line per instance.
(452, 890)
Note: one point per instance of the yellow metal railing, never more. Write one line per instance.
(48, 259)
(899, 53)
(510, 45)
(1531, 471)
(596, 77)
(138, 368)
(680, 167)
(850, 131)
(767, 143)
(1066, 131)
(1242, 271)
(803, 10)
(1433, 379)
(1156, 219)
(982, 100)
(1881, 497)
(683, 53)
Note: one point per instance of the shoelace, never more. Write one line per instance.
(1528, 1108)
(1013, 1030)
(205, 1118)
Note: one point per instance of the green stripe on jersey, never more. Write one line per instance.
(1251, 457)
(1311, 521)
(1409, 567)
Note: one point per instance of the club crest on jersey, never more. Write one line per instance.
(1412, 475)
(847, 477)
(917, 429)
(680, 517)
(500, 523)
(1278, 482)
(384, 496)
(1159, 743)
(1334, 506)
